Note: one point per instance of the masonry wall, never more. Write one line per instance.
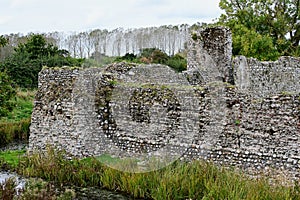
(256, 134)
(262, 79)
(209, 55)
(121, 110)
(137, 110)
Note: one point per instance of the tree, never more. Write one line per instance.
(3, 41)
(6, 89)
(37, 47)
(252, 44)
(273, 24)
(29, 58)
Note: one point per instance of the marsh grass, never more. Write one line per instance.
(7, 189)
(23, 105)
(180, 180)
(14, 131)
(35, 189)
(15, 126)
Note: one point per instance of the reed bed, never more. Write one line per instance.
(180, 180)
(11, 131)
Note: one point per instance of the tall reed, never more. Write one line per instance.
(180, 180)
(15, 126)
(35, 189)
(8, 189)
(13, 131)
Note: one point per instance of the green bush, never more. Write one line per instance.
(127, 57)
(178, 63)
(152, 55)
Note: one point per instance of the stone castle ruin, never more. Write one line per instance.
(239, 112)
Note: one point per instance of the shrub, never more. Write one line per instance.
(178, 63)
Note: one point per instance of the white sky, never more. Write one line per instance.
(23, 16)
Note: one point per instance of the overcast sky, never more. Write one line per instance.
(23, 16)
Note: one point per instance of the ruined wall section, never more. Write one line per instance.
(257, 134)
(124, 112)
(262, 79)
(121, 110)
(58, 118)
(209, 55)
(132, 110)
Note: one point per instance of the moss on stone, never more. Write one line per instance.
(63, 67)
(287, 93)
(194, 36)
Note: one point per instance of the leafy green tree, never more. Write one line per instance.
(267, 27)
(29, 58)
(3, 41)
(252, 44)
(7, 92)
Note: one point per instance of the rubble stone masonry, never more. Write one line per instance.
(243, 113)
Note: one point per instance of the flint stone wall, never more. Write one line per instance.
(126, 110)
(123, 108)
(209, 55)
(261, 79)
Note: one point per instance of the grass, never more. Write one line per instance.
(180, 180)
(14, 131)
(108, 159)
(7, 189)
(35, 189)
(11, 158)
(15, 126)
(23, 105)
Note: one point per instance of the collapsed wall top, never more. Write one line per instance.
(209, 55)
